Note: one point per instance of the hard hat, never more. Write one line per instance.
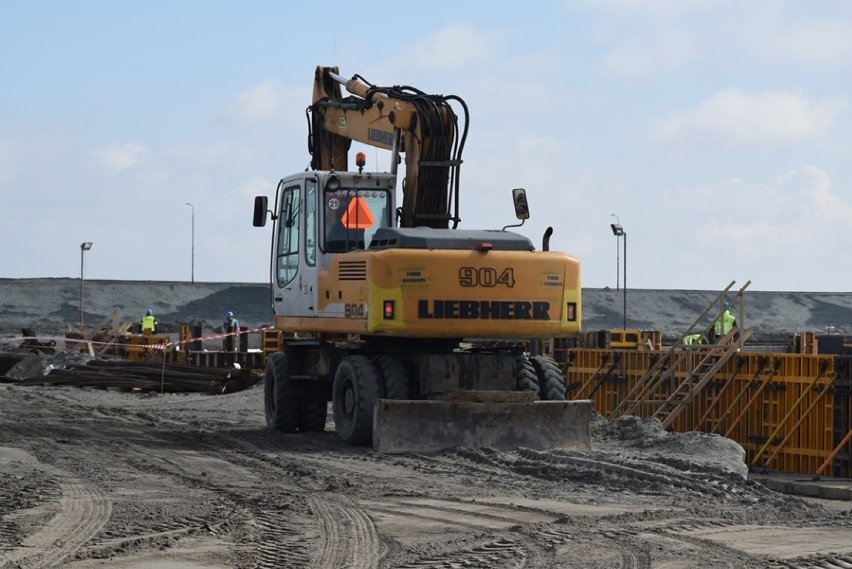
(149, 312)
(229, 314)
(726, 305)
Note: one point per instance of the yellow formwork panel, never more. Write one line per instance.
(141, 347)
(753, 398)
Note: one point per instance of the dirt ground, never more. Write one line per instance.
(94, 478)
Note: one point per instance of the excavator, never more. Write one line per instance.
(416, 331)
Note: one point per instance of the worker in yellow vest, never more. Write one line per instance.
(693, 339)
(149, 323)
(724, 323)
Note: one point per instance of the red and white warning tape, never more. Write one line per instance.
(166, 346)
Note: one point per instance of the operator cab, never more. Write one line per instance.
(319, 214)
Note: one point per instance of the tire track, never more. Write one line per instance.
(498, 553)
(348, 537)
(83, 511)
(329, 535)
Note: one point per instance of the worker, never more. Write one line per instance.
(693, 339)
(149, 323)
(231, 327)
(724, 323)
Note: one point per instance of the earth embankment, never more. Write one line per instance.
(48, 305)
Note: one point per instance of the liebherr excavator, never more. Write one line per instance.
(413, 329)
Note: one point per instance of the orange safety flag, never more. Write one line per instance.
(357, 215)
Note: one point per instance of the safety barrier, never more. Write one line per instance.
(158, 347)
(790, 412)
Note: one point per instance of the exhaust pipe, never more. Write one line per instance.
(545, 241)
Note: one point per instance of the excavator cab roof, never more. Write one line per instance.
(430, 238)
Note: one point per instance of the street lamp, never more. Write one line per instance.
(619, 231)
(193, 240)
(85, 246)
(617, 246)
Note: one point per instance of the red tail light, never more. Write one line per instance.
(388, 310)
(571, 312)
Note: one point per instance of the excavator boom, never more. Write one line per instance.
(404, 120)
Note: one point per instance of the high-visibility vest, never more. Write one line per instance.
(724, 323)
(692, 339)
(148, 322)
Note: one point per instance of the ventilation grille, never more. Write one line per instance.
(353, 271)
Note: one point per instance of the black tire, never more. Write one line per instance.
(356, 389)
(313, 408)
(550, 378)
(280, 397)
(314, 413)
(394, 378)
(526, 378)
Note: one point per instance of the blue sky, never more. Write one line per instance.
(718, 131)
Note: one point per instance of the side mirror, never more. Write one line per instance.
(522, 208)
(260, 207)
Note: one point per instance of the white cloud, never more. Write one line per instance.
(647, 8)
(256, 186)
(642, 38)
(648, 38)
(645, 56)
(272, 99)
(121, 157)
(262, 101)
(216, 155)
(797, 213)
(736, 118)
(821, 209)
(806, 42)
(449, 49)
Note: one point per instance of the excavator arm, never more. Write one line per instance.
(403, 120)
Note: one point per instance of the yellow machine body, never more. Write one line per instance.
(446, 294)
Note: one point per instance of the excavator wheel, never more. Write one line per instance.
(312, 409)
(356, 389)
(280, 398)
(525, 375)
(394, 378)
(313, 416)
(550, 378)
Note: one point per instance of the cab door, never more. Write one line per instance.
(287, 298)
(308, 273)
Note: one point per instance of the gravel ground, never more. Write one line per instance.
(93, 478)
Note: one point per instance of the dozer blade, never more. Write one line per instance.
(433, 426)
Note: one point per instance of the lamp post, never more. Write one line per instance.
(619, 231)
(617, 246)
(85, 246)
(193, 240)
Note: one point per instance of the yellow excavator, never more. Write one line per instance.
(416, 331)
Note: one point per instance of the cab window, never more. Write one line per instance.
(351, 218)
(288, 236)
(310, 222)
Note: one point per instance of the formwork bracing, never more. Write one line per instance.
(790, 412)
